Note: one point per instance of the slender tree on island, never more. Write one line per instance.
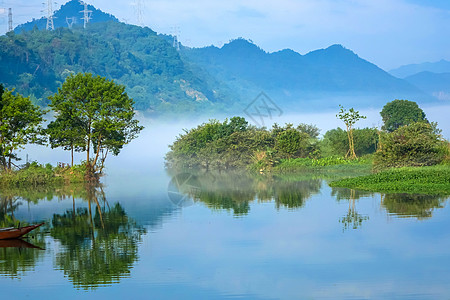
(20, 124)
(349, 118)
(95, 115)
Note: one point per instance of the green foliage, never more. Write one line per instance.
(99, 115)
(310, 129)
(335, 141)
(234, 144)
(20, 124)
(422, 180)
(399, 113)
(415, 144)
(291, 141)
(35, 174)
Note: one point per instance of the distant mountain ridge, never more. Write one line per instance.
(321, 75)
(436, 84)
(442, 66)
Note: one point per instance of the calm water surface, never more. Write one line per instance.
(149, 234)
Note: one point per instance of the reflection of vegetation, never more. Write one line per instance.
(235, 191)
(15, 262)
(97, 249)
(12, 198)
(352, 219)
(410, 205)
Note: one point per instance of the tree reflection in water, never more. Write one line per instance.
(352, 219)
(99, 243)
(99, 248)
(235, 191)
(17, 256)
(411, 205)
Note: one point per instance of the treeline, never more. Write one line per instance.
(234, 144)
(91, 114)
(406, 139)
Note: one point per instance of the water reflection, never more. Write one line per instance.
(235, 191)
(411, 205)
(352, 219)
(17, 257)
(97, 248)
(98, 243)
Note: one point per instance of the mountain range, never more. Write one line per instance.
(162, 79)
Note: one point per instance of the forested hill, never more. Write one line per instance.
(159, 78)
(322, 75)
(36, 62)
(69, 13)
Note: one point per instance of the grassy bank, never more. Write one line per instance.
(420, 180)
(331, 163)
(36, 175)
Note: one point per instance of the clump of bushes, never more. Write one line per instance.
(417, 144)
(236, 144)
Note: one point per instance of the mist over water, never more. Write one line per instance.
(145, 155)
(243, 236)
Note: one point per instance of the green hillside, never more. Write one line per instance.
(37, 62)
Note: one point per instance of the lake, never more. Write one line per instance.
(149, 233)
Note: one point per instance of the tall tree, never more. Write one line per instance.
(100, 118)
(20, 124)
(349, 118)
(398, 113)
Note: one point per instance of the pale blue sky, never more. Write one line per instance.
(388, 33)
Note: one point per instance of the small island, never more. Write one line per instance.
(408, 154)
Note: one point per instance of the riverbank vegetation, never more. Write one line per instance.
(405, 141)
(423, 180)
(91, 114)
(34, 174)
(234, 144)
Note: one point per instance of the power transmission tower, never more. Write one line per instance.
(139, 11)
(10, 22)
(71, 21)
(87, 14)
(50, 25)
(176, 40)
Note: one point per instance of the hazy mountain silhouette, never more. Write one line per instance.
(442, 66)
(326, 75)
(436, 84)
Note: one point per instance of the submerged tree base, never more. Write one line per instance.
(35, 174)
(419, 180)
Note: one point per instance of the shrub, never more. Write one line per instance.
(416, 144)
